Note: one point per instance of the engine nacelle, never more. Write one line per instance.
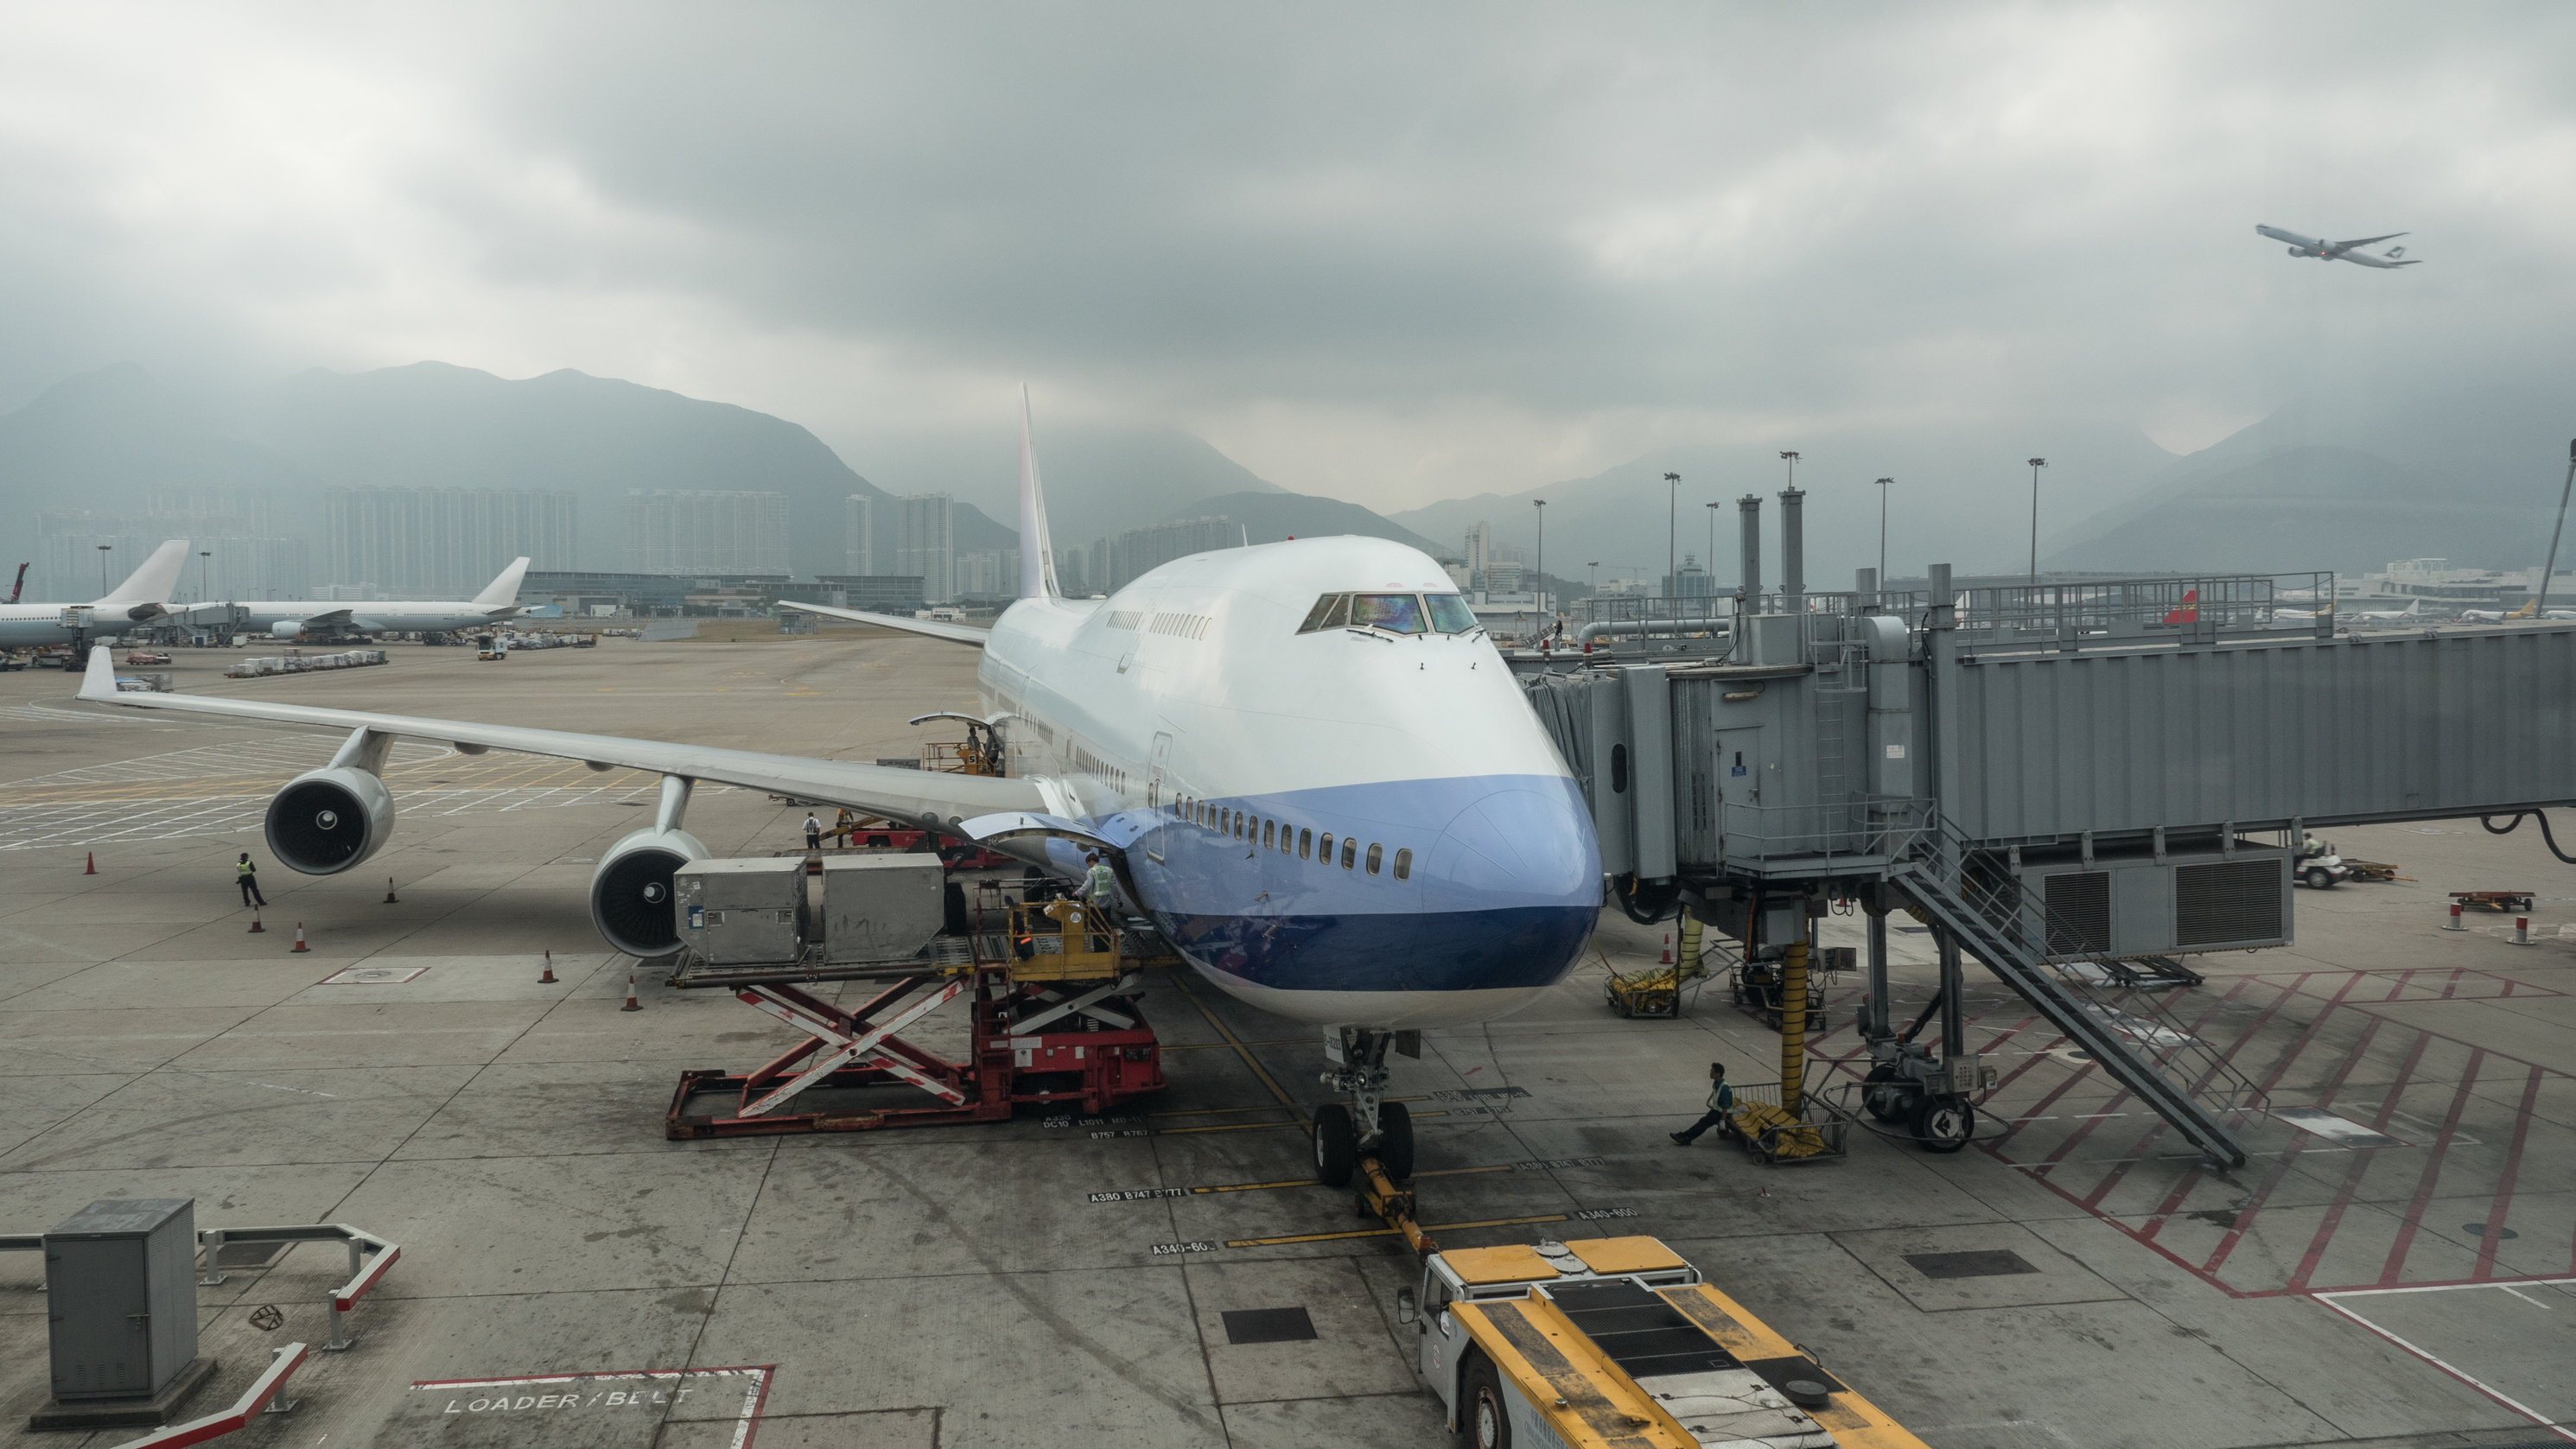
(630, 893)
(286, 628)
(326, 821)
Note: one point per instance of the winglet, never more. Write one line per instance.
(504, 588)
(98, 682)
(1037, 555)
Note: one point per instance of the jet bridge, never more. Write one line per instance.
(2049, 775)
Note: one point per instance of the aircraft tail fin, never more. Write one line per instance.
(504, 588)
(1037, 555)
(152, 583)
(2188, 612)
(2530, 609)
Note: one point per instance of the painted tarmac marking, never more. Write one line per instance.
(1390, 1232)
(618, 1392)
(2333, 1301)
(1139, 1194)
(1195, 1245)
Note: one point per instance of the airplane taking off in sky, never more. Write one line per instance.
(286, 618)
(143, 597)
(2342, 251)
(1294, 756)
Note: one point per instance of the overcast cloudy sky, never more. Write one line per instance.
(1391, 253)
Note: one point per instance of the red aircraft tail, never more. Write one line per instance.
(19, 585)
(2189, 612)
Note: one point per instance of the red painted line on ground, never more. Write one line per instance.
(2137, 1151)
(2406, 1226)
(2280, 1068)
(2122, 1096)
(2494, 1236)
(2451, 987)
(2352, 1058)
(2360, 1164)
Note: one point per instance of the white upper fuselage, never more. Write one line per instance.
(1191, 696)
(26, 625)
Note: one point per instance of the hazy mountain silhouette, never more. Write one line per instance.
(1270, 517)
(1099, 480)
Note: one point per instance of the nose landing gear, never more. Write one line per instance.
(1371, 1126)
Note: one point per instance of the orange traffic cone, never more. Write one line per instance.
(93, 864)
(1668, 950)
(631, 1003)
(299, 938)
(389, 891)
(548, 979)
(255, 927)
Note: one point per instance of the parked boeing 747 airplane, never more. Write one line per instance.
(142, 598)
(286, 618)
(1308, 765)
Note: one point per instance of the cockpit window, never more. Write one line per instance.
(1450, 614)
(1395, 613)
(1330, 612)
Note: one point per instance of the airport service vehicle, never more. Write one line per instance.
(1618, 1341)
(2320, 868)
(322, 618)
(1303, 761)
(142, 598)
(146, 656)
(2343, 251)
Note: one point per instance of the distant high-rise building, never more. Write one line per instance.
(443, 543)
(233, 551)
(978, 575)
(858, 533)
(1117, 562)
(925, 543)
(683, 532)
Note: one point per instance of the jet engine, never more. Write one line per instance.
(630, 893)
(328, 820)
(286, 628)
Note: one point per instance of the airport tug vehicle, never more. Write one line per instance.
(1618, 1341)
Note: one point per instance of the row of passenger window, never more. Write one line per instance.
(1273, 834)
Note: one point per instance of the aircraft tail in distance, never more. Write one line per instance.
(1037, 555)
(152, 583)
(2188, 612)
(504, 588)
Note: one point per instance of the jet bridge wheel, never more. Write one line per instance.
(1337, 1145)
(1886, 1106)
(1944, 1124)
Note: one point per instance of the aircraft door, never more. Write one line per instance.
(1160, 760)
(1740, 771)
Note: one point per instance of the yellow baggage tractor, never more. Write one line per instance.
(1618, 1342)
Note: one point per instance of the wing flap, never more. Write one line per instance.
(911, 795)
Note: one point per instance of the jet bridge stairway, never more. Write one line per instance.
(2181, 1078)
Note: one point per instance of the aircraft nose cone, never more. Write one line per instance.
(1518, 847)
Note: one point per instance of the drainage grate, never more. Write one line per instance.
(1268, 1325)
(1991, 1263)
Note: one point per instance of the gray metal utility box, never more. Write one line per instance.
(120, 1284)
(2129, 903)
(742, 912)
(877, 907)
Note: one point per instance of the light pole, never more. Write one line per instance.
(2540, 597)
(1595, 585)
(1882, 535)
(1541, 505)
(1712, 547)
(1672, 526)
(2035, 465)
(1792, 460)
(102, 568)
(203, 570)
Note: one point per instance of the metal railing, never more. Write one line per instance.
(2128, 1032)
(1872, 827)
(2189, 608)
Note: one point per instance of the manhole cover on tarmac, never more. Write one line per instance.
(372, 976)
(615, 1410)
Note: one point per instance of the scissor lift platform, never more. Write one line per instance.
(1053, 1017)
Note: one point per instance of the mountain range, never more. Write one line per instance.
(2346, 480)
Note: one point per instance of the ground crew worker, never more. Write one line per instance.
(1104, 882)
(1721, 1105)
(813, 832)
(248, 875)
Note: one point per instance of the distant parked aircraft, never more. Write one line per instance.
(2482, 616)
(2341, 251)
(2391, 616)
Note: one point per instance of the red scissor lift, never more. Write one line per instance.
(1051, 992)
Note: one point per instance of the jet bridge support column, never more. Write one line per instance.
(1874, 1010)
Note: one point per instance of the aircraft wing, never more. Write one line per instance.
(913, 796)
(959, 633)
(2367, 241)
(327, 616)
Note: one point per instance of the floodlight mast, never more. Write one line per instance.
(1882, 536)
(2035, 465)
(2540, 603)
(1672, 527)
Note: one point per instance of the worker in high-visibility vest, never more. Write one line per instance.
(1102, 886)
(248, 875)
